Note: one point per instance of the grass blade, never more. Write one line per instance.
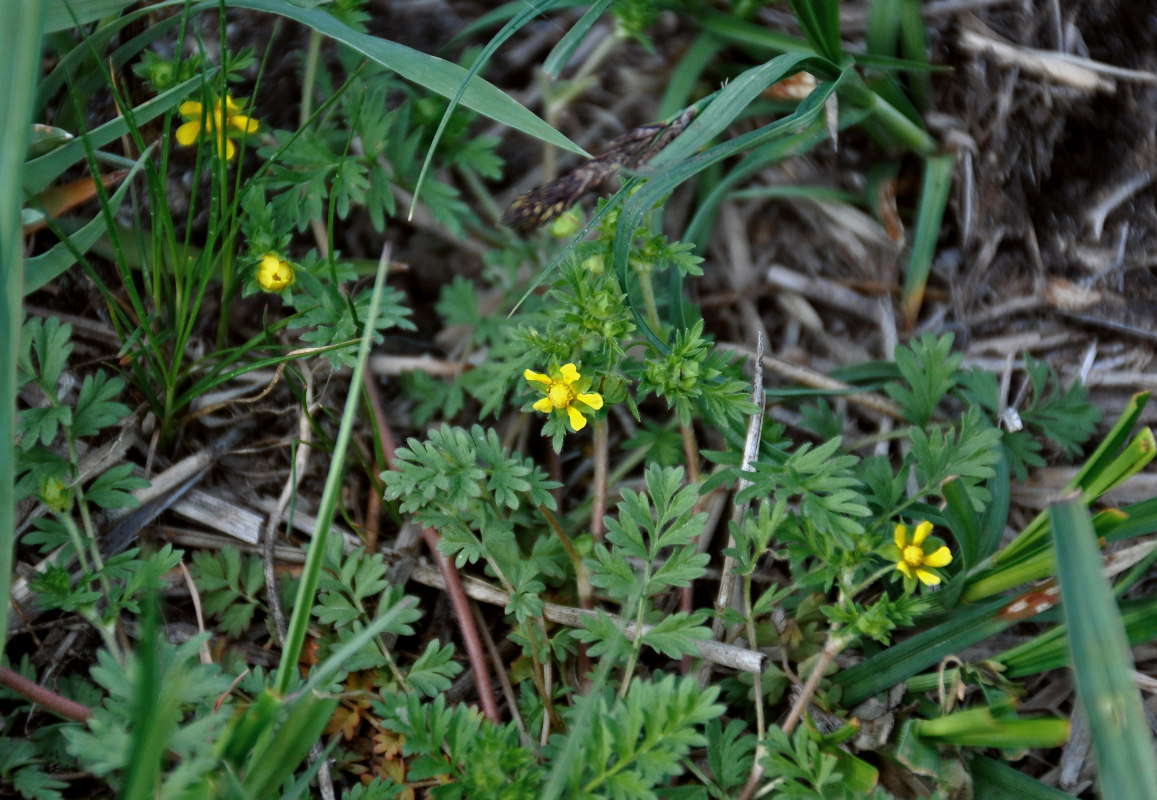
(1101, 659)
(45, 267)
(20, 26)
(995, 780)
(570, 41)
(307, 588)
(436, 74)
(933, 199)
(965, 626)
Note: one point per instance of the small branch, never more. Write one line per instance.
(750, 452)
(452, 584)
(61, 706)
(599, 492)
(832, 648)
(725, 655)
(269, 533)
(818, 380)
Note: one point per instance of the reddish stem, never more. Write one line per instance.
(61, 706)
(470, 637)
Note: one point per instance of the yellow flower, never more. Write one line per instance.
(225, 120)
(565, 389)
(275, 273)
(912, 558)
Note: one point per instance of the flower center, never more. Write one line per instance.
(913, 555)
(560, 395)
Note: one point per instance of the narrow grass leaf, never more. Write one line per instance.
(1101, 659)
(995, 780)
(327, 507)
(964, 626)
(1099, 462)
(44, 170)
(62, 15)
(154, 718)
(933, 199)
(740, 31)
(980, 727)
(274, 763)
(433, 73)
(509, 29)
(20, 26)
(820, 20)
(561, 53)
(47, 266)
(1050, 649)
(1140, 519)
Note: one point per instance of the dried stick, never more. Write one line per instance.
(750, 450)
(269, 534)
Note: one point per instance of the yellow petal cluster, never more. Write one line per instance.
(913, 560)
(275, 273)
(221, 122)
(564, 389)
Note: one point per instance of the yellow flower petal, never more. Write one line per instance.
(900, 565)
(544, 405)
(536, 377)
(569, 373)
(243, 123)
(230, 149)
(577, 420)
(592, 399)
(275, 273)
(941, 558)
(922, 531)
(927, 578)
(900, 536)
(187, 134)
(190, 109)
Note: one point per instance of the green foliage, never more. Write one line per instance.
(969, 453)
(694, 376)
(352, 592)
(334, 318)
(432, 398)
(44, 353)
(824, 485)
(463, 484)
(185, 685)
(930, 371)
(652, 548)
(22, 767)
(802, 766)
(482, 760)
(640, 740)
(317, 165)
(730, 752)
(1064, 417)
(230, 587)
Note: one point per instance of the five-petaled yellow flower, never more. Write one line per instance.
(224, 120)
(912, 559)
(565, 389)
(275, 273)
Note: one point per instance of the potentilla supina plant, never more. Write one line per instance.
(912, 556)
(565, 389)
(223, 119)
(274, 273)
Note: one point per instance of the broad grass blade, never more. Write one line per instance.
(1101, 659)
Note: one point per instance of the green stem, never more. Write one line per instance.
(647, 286)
